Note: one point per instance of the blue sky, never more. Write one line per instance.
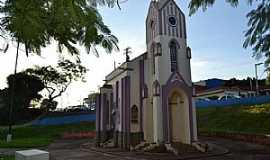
(215, 36)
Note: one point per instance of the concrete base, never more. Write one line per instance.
(33, 154)
(136, 138)
(120, 139)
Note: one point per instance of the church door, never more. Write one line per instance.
(177, 118)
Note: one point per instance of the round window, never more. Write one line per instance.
(172, 21)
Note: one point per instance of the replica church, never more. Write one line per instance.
(150, 99)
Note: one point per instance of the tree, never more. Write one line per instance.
(56, 81)
(27, 89)
(48, 104)
(91, 100)
(36, 23)
(258, 32)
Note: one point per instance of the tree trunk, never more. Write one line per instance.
(12, 94)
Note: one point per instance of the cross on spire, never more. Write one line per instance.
(127, 51)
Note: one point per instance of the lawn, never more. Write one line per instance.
(39, 136)
(7, 158)
(240, 119)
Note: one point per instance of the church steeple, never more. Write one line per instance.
(161, 2)
(165, 18)
(166, 38)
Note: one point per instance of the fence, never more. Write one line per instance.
(234, 102)
(70, 119)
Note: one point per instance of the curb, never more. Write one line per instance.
(115, 155)
(225, 151)
(109, 154)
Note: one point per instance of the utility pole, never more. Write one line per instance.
(256, 77)
(250, 84)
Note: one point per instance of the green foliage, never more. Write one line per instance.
(109, 3)
(35, 24)
(93, 96)
(48, 104)
(57, 80)
(27, 88)
(194, 5)
(24, 22)
(244, 82)
(258, 32)
(241, 119)
(39, 136)
(7, 157)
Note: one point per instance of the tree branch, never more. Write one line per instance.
(62, 90)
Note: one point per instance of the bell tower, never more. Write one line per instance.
(168, 54)
(166, 40)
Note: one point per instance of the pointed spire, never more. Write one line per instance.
(161, 2)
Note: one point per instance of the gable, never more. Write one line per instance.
(165, 3)
(176, 77)
(169, 9)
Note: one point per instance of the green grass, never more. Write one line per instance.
(7, 158)
(39, 136)
(241, 119)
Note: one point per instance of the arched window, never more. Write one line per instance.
(153, 50)
(145, 91)
(134, 114)
(173, 56)
(158, 50)
(156, 88)
(153, 27)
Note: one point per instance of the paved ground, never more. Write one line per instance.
(80, 150)
(73, 150)
(240, 150)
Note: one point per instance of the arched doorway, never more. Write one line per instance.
(179, 117)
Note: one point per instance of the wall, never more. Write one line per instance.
(233, 102)
(112, 78)
(135, 90)
(71, 119)
(218, 93)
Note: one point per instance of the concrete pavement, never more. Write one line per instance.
(81, 150)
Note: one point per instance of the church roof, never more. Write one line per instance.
(123, 67)
(160, 4)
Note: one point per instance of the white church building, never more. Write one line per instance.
(151, 98)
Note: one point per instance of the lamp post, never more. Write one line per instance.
(256, 76)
